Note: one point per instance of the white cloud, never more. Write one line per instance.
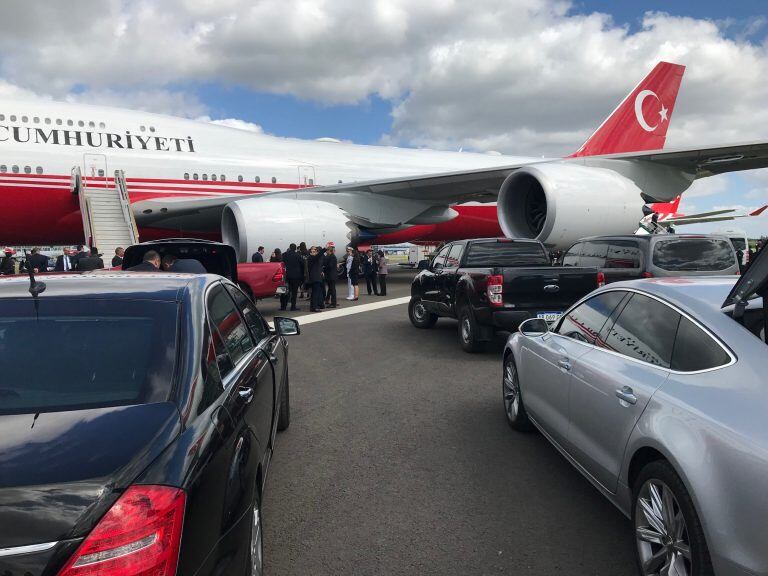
(233, 123)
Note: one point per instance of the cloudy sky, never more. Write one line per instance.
(527, 77)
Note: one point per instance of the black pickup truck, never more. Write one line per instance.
(495, 284)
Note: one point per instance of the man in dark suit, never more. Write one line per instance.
(151, 263)
(37, 262)
(331, 273)
(92, 262)
(64, 262)
(258, 256)
(81, 253)
(117, 259)
(294, 274)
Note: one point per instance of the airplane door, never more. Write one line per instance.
(95, 170)
(307, 176)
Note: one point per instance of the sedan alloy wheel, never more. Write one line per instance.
(661, 532)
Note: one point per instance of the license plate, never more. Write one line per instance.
(282, 290)
(549, 316)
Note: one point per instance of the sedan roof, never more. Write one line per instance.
(112, 285)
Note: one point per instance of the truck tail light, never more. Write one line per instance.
(495, 290)
(139, 535)
(600, 279)
(279, 275)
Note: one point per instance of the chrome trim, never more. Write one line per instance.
(711, 334)
(31, 549)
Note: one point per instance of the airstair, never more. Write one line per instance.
(108, 220)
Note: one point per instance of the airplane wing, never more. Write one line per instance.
(716, 216)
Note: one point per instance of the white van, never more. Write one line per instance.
(739, 240)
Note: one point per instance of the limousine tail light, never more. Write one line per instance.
(600, 279)
(140, 534)
(495, 290)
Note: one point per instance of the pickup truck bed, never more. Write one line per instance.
(495, 284)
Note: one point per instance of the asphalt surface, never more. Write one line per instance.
(399, 460)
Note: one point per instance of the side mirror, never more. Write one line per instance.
(534, 327)
(286, 326)
(423, 264)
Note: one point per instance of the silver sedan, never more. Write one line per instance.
(656, 394)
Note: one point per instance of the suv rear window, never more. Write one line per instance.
(85, 353)
(506, 254)
(694, 255)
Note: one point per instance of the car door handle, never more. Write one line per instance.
(564, 364)
(272, 358)
(246, 394)
(627, 395)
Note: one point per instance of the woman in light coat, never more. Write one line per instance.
(382, 273)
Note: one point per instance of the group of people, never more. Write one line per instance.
(315, 271)
(80, 259)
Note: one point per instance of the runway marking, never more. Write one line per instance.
(331, 314)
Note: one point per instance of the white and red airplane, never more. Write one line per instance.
(192, 178)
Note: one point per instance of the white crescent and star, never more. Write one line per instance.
(663, 113)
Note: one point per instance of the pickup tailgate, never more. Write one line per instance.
(546, 288)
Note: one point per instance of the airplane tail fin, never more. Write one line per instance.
(640, 122)
(664, 208)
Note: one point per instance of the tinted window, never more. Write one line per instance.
(696, 350)
(645, 330)
(212, 386)
(454, 256)
(739, 244)
(571, 257)
(594, 254)
(694, 255)
(506, 254)
(439, 260)
(81, 353)
(249, 312)
(623, 254)
(585, 322)
(229, 325)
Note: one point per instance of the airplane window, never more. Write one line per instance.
(186, 175)
(13, 118)
(274, 180)
(25, 119)
(339, 181)
(36, 120)
(2, 117)
(27, 169)
(222, 177)
(58, 121)
(39, 170)
(143, 128)
(102, 125)
(101, 172)
(3, 168)
(205, 176)
(91, 124)
(214, 177)
(311, 181)
(257, 179)
(151, 128)
(47, 120)
(70, 123)
(80, 123)
(15, 169)
(240, 178)
(194, 176)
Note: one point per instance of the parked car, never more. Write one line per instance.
(138, 415)
(494, 284)
(257, 280)
(658, 396)
(653, 256)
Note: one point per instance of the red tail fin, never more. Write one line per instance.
(666, 208)
(640, 122)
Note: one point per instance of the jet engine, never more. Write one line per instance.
(559, 203)
(276, 222)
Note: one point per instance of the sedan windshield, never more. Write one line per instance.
(76, 353)
(694, 255)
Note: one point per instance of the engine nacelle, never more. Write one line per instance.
(559, 203)
(276, 222)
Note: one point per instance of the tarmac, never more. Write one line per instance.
(399, 460)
